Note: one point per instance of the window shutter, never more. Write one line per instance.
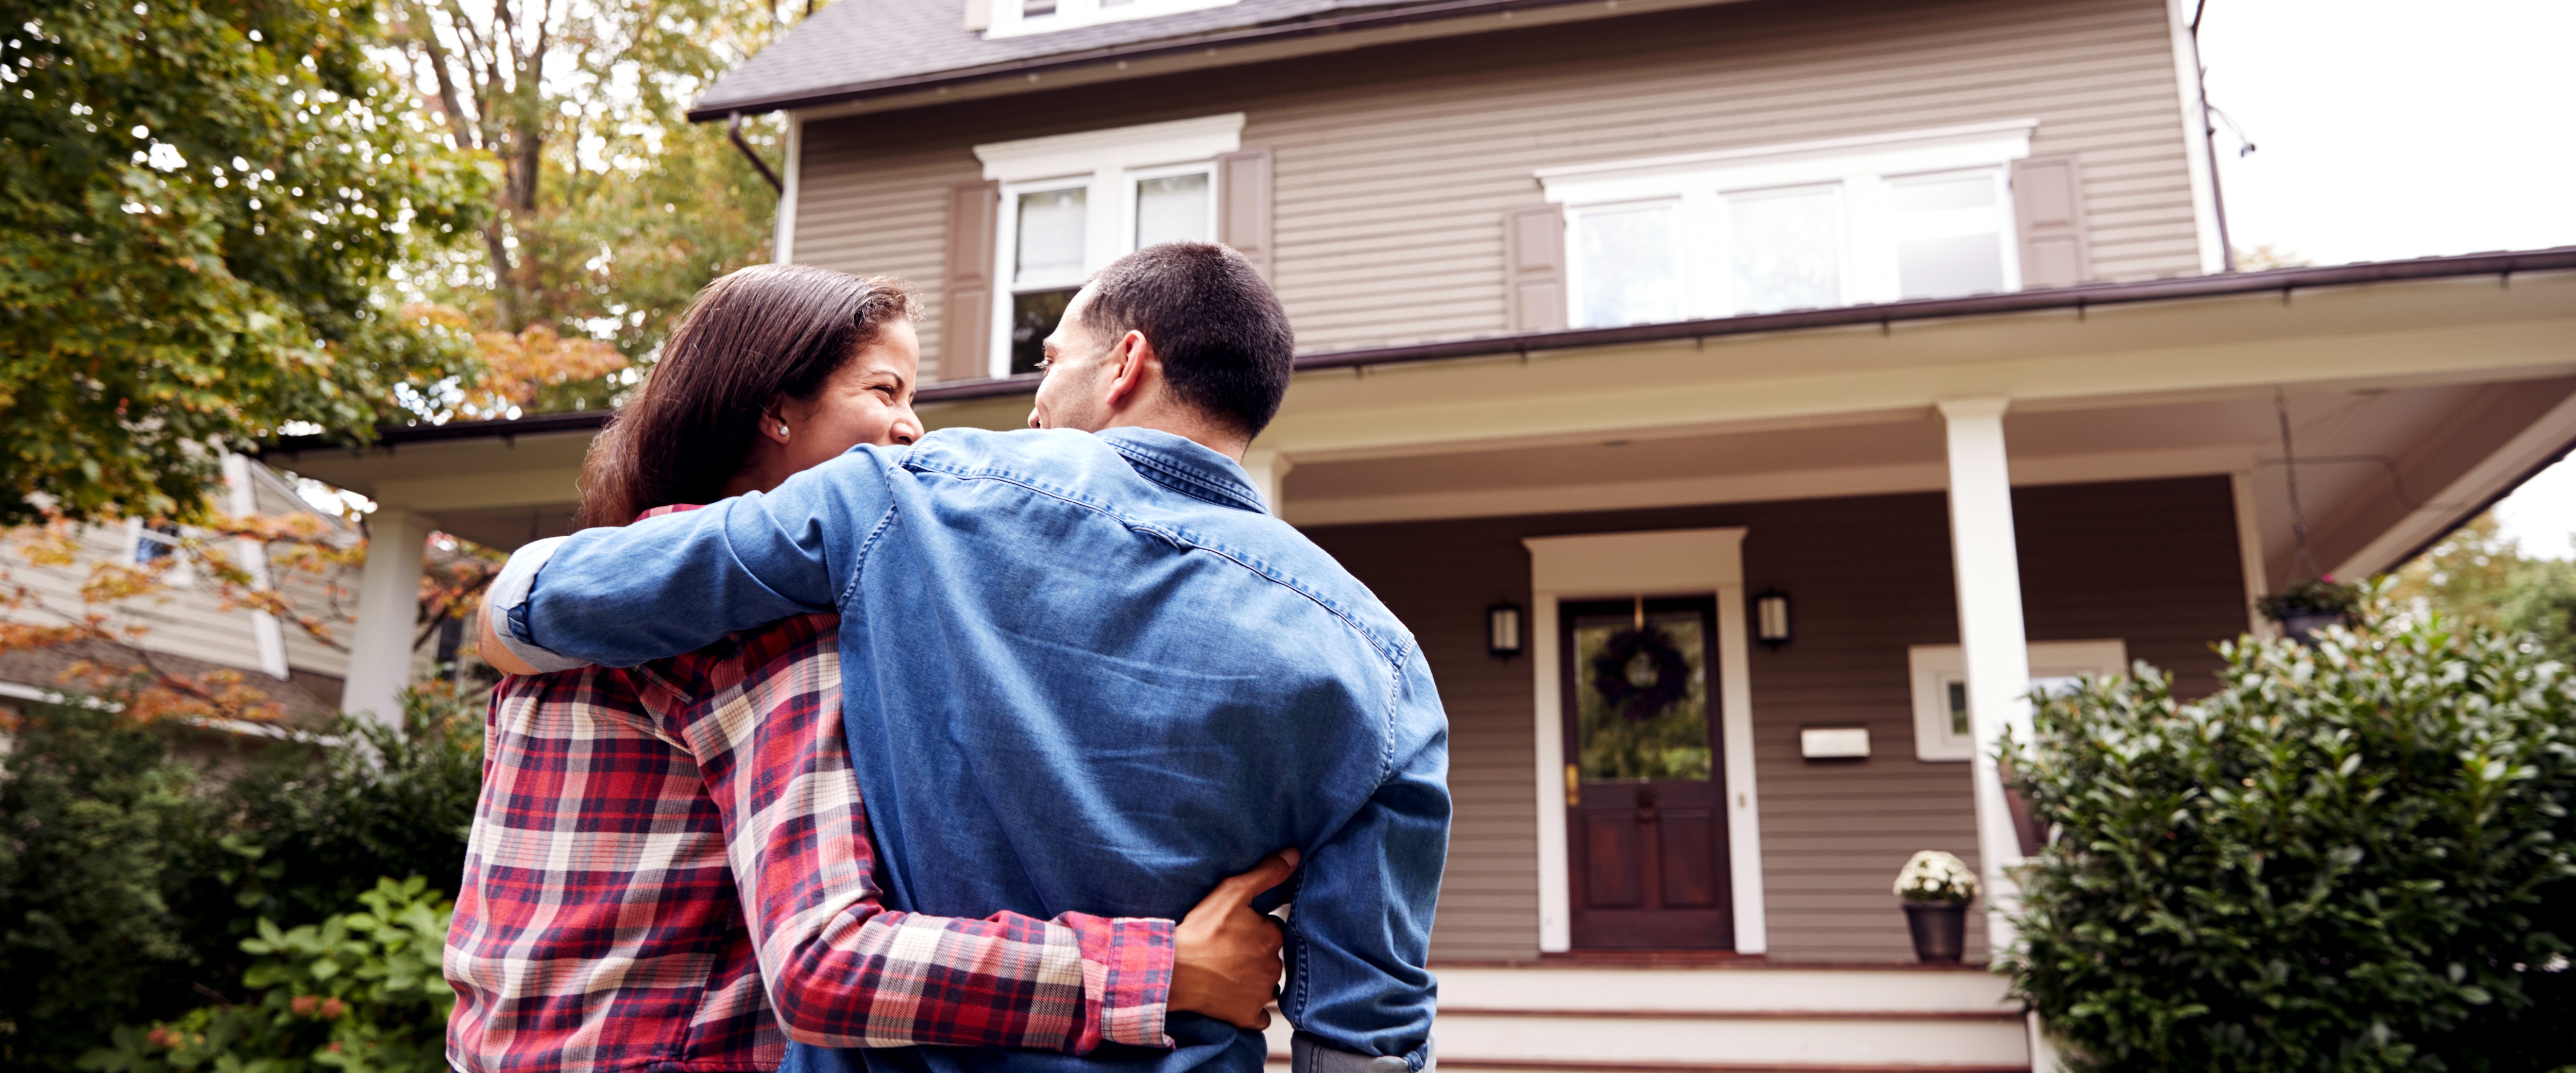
(1534, 268)
(1243, 205)
(966, 307)
(2048, 200)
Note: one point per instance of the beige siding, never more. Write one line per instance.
(1393, 177)
(879, 214)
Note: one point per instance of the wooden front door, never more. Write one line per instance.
(1645, 821)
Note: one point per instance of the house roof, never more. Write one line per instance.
(861, 48)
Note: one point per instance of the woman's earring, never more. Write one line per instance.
(782, 430)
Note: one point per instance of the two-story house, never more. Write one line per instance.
(1824, 373)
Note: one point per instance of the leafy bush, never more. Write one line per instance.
(2355, 856)
(359, 992)
(132, 868)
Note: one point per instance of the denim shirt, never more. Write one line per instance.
(1080, 673)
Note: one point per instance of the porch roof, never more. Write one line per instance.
(2419, 390)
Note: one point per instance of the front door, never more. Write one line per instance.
(1644, 822)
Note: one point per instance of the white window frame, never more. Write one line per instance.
(1011, 18)
(181, 573)
(1935, 668)
(1862, 168)
(1108, 164)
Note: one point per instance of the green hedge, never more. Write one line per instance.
(2355, 856)
(134, 863)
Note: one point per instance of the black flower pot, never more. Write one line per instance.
(2302, 624)
(1940, 931)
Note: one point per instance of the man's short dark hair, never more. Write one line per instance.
(1224, 340)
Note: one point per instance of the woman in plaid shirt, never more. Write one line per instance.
(670, 868)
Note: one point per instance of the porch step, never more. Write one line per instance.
(1723, 1020)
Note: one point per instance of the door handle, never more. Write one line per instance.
(1573, 785)
(1645, 804)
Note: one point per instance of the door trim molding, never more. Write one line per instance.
(1675, 562)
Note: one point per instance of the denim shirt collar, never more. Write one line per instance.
(1185, 466)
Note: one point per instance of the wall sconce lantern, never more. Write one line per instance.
(1503, 630)
(1771, 618)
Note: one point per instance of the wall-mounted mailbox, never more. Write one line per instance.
(1834, 743)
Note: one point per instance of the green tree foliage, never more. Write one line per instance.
(614, 209)
(136, 858)
(2355, 856)
(2480, 575)
(361, 992)
(199, 206)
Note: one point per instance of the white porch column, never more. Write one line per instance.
(1269, 471)
(1988, 570)
(388, 614)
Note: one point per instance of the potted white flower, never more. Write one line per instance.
(1936, 889)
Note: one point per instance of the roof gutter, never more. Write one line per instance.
(1036, 65)
(2282, 281)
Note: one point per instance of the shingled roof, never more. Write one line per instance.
(861, 48)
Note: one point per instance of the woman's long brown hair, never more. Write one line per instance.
(749, 338)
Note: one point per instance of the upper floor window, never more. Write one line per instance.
(1073, 203)
(153, 543)
(1012, 18)
(1921, 214)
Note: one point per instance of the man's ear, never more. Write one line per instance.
(1138, 366)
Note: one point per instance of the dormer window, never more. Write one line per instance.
(1012, 18)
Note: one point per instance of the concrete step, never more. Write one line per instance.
(1730, 1020)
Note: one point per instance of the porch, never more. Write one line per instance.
(1738, 1016)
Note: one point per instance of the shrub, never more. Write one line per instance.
(359, 992)
(131, 874)
(2355, 856)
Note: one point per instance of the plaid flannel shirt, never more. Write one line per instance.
(670, 868)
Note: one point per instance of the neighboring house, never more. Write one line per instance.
(186, 629)
(1878, 352)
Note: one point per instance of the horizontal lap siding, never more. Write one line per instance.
(875, 213)
(1395, 164)
(2151, 562)
(1391, 191)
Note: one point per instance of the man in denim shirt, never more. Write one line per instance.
(1083, 669)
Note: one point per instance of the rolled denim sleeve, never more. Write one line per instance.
(1361, 930)
(663, 586)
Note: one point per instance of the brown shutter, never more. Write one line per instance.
(1243, 205)
(2048, 199)
(966, 309)
(1534, 268)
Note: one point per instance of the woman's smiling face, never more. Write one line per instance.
(868, 400)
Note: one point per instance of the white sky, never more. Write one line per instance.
(2395, 128)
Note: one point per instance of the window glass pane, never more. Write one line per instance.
(1051, 236)
(1172, 209)
(1037, 7)
(1787, 249)
(1949, 236)
(1630, 272)
(1033, 318)
(1958, 695)
(1934, 195)
(1643, 698)
(155, 543)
